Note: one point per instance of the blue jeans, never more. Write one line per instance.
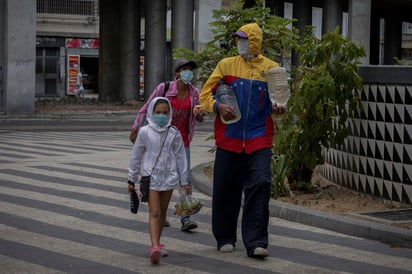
(235, 173)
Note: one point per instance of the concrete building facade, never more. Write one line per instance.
(115, 43)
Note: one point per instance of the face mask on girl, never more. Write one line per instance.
(186, 76)
(160, 119)
(243, 47)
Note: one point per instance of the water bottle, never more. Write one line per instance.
(227, 96)
(278, 85)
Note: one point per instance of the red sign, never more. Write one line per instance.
(82, 43)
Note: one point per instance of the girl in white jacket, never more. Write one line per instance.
(158, 152)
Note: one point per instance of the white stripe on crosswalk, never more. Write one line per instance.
(86, 252)
(10, 265)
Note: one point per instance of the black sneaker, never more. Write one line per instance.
(134, 202)
(188, 225)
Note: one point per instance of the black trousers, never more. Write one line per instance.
(234, 174)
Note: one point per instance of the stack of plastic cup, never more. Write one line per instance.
(278, 85)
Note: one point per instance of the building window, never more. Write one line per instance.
(47, 72)
(68, 7)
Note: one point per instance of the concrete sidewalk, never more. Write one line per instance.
(201, 157)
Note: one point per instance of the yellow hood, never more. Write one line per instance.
(255, 36)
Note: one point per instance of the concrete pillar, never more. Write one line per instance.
(129, 55)
(109, 50)
(2, 31)
(19, 56)
(360, 25)
(392, 45)
(332, 15)
(375, 39)
(277, 7)
(182, 26)
(302, 11)
(203, 31)
(155, 44)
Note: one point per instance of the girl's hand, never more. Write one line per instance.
(187, 189)
(130, 188)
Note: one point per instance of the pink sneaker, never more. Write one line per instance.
(155, 254)
(163, 250)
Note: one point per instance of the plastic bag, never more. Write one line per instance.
(187, 205)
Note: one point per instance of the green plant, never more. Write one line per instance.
(324, 96)
(279, 172)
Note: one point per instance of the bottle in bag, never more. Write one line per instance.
(227, 96)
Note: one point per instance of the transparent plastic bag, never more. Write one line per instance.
(187, 205)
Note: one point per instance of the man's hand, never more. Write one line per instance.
(278, 109)
(226, 111)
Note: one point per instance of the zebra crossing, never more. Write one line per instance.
(64, 208)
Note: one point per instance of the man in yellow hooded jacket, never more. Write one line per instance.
(243, 155)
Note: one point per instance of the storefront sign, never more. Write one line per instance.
(50, 42)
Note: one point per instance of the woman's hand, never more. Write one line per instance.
(199, 112)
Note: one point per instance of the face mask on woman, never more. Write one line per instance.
(186, 76)
(160, 119)
(243, 47)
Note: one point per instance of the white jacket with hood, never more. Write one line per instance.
(171, 166)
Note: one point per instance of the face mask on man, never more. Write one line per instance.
(186, 76)
(160, 119)
(243, 47)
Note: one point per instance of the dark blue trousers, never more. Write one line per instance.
(235, 173)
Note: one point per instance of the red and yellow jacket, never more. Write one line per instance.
(255, 129)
